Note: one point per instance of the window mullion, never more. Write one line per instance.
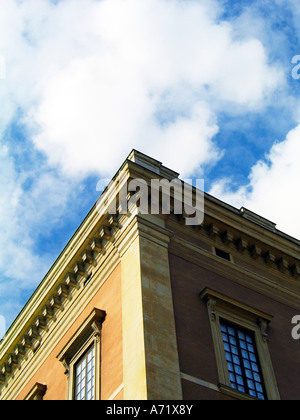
(85, 375)
(241, 361)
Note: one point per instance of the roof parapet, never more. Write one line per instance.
(259, 220)
(152, 165)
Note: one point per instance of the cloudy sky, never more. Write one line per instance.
(209, 87)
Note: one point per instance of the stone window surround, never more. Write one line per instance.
(87, 335)
(37, 392)
(221, 306)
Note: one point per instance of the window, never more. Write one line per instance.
(242, 360)
(84, 376)
(222, 254)
(81, 359)
(239, 335)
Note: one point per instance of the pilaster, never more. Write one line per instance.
(150, 355)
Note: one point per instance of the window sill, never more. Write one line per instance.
(227, 390)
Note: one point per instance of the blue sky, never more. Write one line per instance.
(205, 86)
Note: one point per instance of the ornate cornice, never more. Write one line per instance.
(80, 270)
(256, 249)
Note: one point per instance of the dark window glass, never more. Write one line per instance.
(242, 360)
(84, 376)
(222, 254)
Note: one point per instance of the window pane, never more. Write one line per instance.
(226, 347)
(232, 340)
(239, 380)
(223, 328)
(225, 337)
(231, 331)
(234, 350)
(243, 345)
(237, 370)
(228, 357)
(241, 335)
(84, 376)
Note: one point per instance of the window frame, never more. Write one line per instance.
(235, 334)
(88, 335)
(224, 255)
(221, 307)
(92, 343)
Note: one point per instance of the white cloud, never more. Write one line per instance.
(18, 261)
(32, 204)
(91, 76)
(273, 188)
(24, 215)
(186, 145)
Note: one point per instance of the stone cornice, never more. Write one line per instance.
(258, 248)
(26, 335)
(241, 228)
(253, 243)
(264, 231)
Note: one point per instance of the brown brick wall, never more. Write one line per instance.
(195, 345)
